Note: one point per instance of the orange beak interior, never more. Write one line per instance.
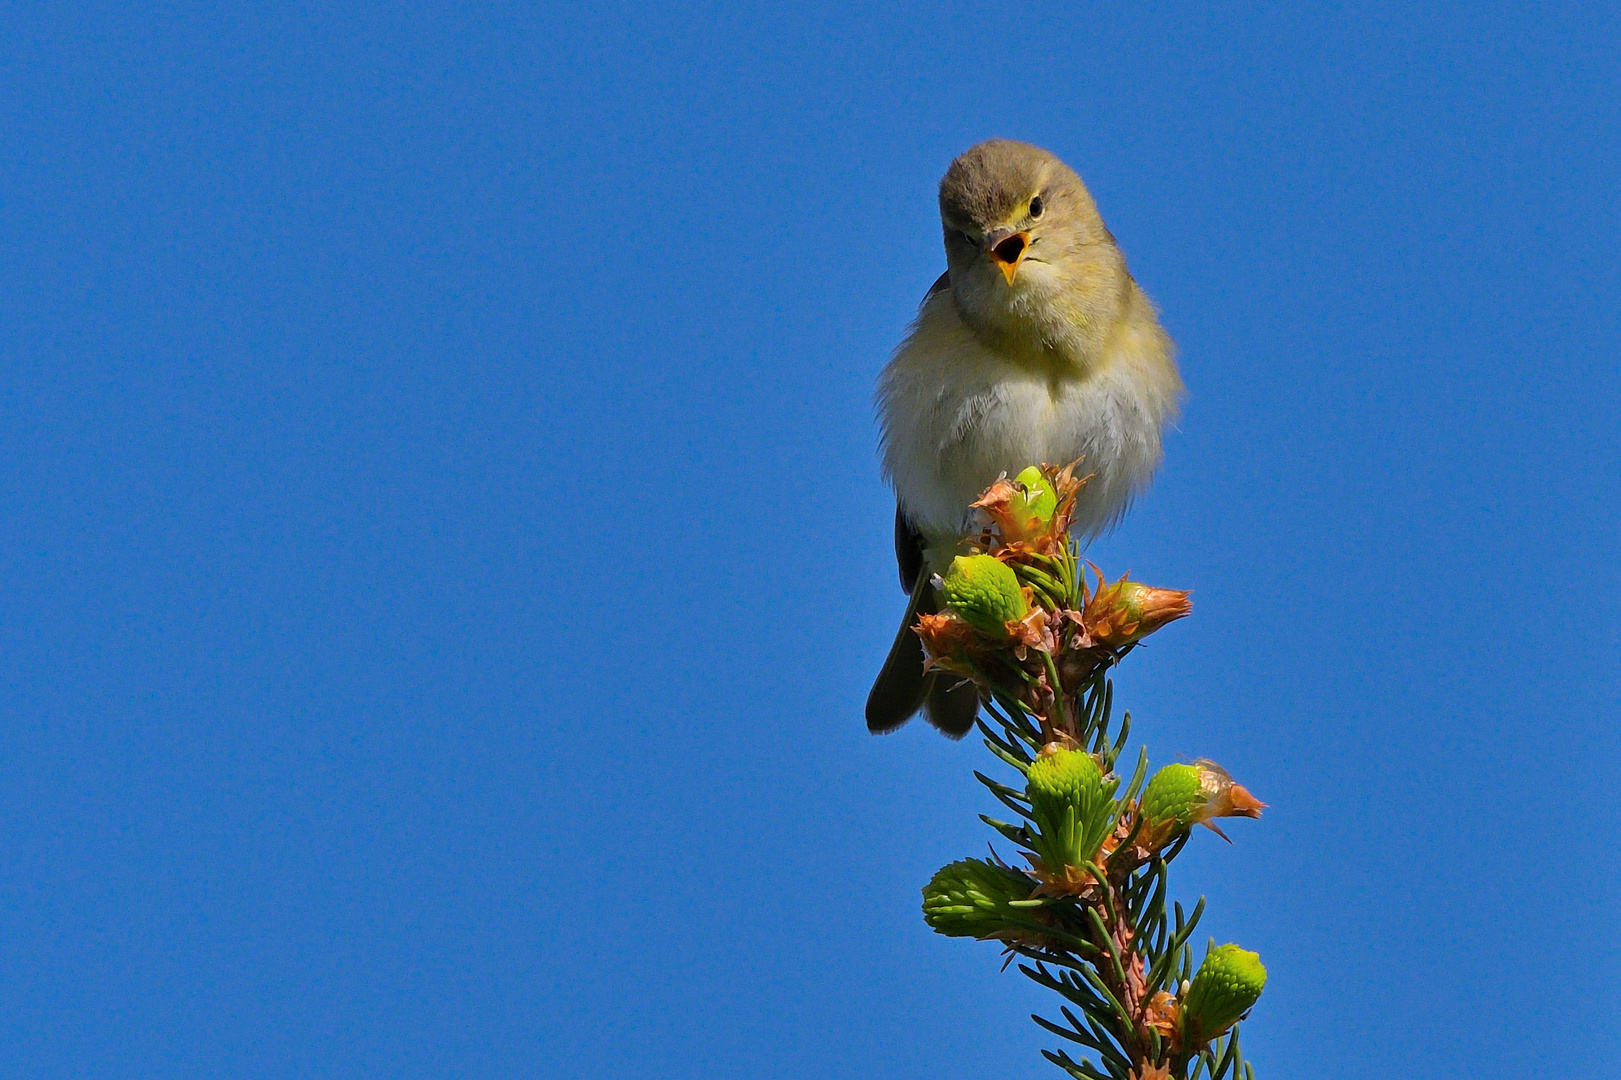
(1008, 252)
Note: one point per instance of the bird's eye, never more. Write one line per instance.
(1035, 207)
(966, 238)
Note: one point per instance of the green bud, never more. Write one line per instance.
(1071, 805)
(1040, 500)
(1226, 986)
(1180, 796)
(974, 898)
(1175, 794)
(984, 591)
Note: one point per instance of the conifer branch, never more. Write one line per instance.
(1088, 910)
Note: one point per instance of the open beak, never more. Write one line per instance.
(1006, 249)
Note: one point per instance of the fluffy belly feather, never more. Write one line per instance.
(955, 416)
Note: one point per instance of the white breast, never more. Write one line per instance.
(955, 414)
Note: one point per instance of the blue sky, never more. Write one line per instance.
(443, 555)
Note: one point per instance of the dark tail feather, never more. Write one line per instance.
(902, 688)
(952, 705)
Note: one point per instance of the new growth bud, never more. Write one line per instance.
(1072, 807)
(1226, 986)
(1033, 508)
(1037, 500)
(978, 899)
(1125, 612)
(1181, 796)
(985, 592)
(1174, 795)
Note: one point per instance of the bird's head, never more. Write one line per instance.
(1030, 260)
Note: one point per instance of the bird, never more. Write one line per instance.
(1035, 346)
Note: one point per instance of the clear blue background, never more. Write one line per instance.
(443, 557)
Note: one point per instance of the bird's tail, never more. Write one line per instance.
(903, 687)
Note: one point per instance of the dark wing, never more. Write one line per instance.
(908, 550)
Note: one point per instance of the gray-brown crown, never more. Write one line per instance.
(992, 181)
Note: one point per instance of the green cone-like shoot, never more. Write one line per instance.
(1175, 794)
(1226, 986)
(985, 592)
(1040, 500)
(1072, 807)
(974, 898)
(1180, 796)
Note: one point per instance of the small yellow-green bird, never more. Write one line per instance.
(1034, 346)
